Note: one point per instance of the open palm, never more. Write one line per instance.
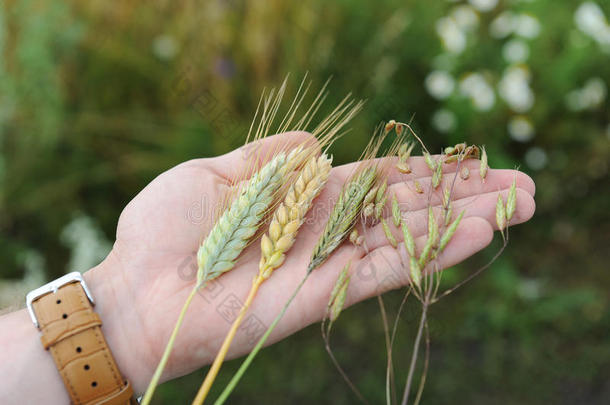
(151, 268)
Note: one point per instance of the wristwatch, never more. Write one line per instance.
(63, 311)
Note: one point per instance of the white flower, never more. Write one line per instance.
(478, 90)
(590, 19)
(536, 158)
(164, 47)
(439, 84)
(591, 95)
(526, 26)
(452, 36)
(465, 17)
(516, 51)
(515, 90)
(484, 5)
(444, 120)
(502, 26)
(520, 129)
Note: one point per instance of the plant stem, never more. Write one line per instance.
(213, 372)
(244, 366)
(348, 381)
(168, 349)
(389, 388)
(422, 322)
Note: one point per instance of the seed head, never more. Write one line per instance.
(381, 192)
(290, 214)
(395, 211)
(403, 167)
(399, 129)
(446, 197)
(483, 168)
(429, 161)
(449, 233)
(380, 206)
(408, 239)
(464, 173)
(338, 294)
(370, 196)
(511, 200)
(432, 240)
(390, 126)
(236, 226)
(343, 215)
(437, 176)
(500, 213)
(354, 236)
(415, 270)
(418, 187)
(388, 233)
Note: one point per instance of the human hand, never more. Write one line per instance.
(143, 283)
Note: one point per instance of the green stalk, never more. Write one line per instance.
(244, 366)
(168, 349)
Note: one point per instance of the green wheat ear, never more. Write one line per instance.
(239, 223)
(343, 216)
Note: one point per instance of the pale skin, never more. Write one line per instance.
(143, 283)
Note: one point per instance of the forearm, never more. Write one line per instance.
(27, 372)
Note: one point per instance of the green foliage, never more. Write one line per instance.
(97, 99)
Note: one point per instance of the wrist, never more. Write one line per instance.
(112, 306)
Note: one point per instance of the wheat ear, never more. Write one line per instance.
(285, 223)
(343, 216)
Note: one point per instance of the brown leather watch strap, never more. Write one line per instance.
(71, 331)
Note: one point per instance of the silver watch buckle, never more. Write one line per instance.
(52, 287)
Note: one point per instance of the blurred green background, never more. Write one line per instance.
(97, 98)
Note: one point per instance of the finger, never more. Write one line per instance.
(496, 179)
(387, 268)
(483, 206)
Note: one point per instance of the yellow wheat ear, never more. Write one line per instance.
(283, 229)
